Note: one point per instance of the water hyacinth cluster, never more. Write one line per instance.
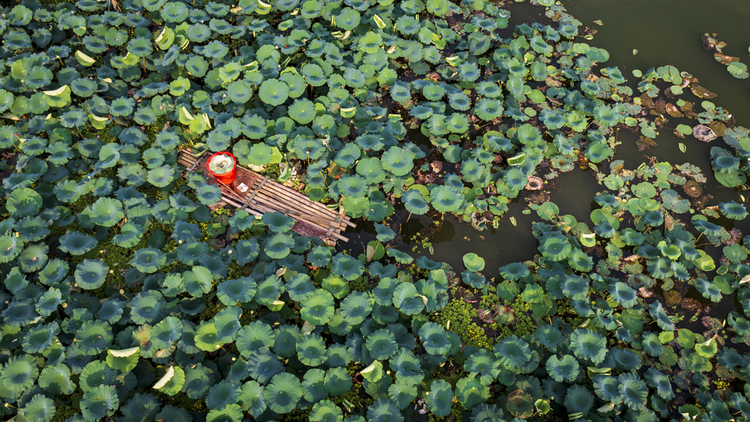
(125, 297)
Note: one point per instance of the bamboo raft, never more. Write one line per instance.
(258, 195)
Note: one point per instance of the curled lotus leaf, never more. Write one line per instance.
(633, 391)
(24, 202)
(76, 243)
(733, 210)
(99, 402)
(415, 202)
(446, 198)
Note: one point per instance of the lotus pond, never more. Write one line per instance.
(542, 235)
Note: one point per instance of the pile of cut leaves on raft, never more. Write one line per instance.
(126, 298)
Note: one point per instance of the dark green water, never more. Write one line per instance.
(664, 32)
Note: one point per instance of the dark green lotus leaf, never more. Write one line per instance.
(662, 319)
(661, 382)
(407, 299)
(76, 243)
(234, 291)
(578, 400)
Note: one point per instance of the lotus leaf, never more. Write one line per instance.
(565, 369)
(578, 400)
(633, 391)
(311, 350)
(99, 402)
(440, 398)
(733, 210)
(148, 260)
(662, 319)
(588, 345)
(91, 274)
(415, 202)
(318, 308)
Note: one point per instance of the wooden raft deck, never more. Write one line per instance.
(258, 195)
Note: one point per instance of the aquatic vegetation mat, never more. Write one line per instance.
(126, 297)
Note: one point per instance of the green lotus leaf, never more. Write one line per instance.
(39, 408)
(352, 186)
(198, 379)
(356, 307)
(347, 19)
(623, 294)
(348, 267)
(473, 262)
(314, 385)
(93, 337)
(402, 394)
(302, 111)
(633, 391)
(725, 163)
(251, 398)
(434, 339)
(39, 337)
(487, 109)
(440, 399)
(371, 170)
(565, 369)
(96, 373)
(148, 260)
(99, 402)
(146, 307)
(91, 274)
(23, 202)
(631, 237)
(381, 344)
(607, 388)
(240, 91)
(512, 352)
(76, 243)
(348, 155)
(279, 245)
(166, 332)
(311, 350)
(415, 202)
(273, 92)
(326, 411)
(106, 212)
(400, 94)
(277, 222)
(446, 198)
(398, 161)
(318, 308)
(588, 345)
(263, 365)
(407, 367)
(555, 248)
(48, 302)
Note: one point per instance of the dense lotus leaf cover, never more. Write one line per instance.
(125, 297)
